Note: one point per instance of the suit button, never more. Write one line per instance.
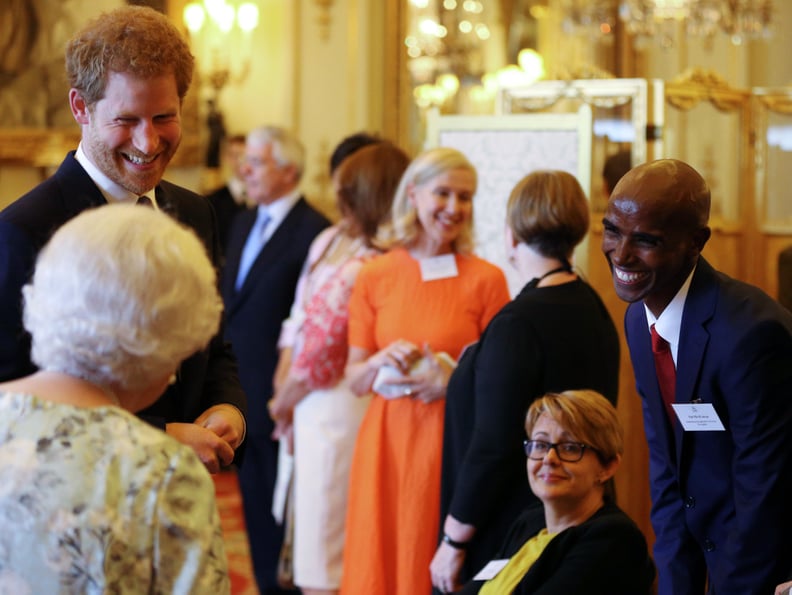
(709, 546)
(690, 502)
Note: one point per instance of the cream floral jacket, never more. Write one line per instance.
(93, 500)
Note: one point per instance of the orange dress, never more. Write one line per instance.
(394, 494)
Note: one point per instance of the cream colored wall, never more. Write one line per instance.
(326, 88)
(267, 95)
(339, 78)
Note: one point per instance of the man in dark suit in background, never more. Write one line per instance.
(720, 352)
(129, 71)
(266, 251)
(230, 198)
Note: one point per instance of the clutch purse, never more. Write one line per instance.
(383, 381)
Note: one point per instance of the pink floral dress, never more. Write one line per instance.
(327, 420)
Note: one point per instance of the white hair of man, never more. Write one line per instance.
(286, 147)
(120, 296)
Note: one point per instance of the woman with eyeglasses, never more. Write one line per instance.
(555, 335)
(578, 541)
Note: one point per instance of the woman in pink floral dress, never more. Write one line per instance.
(314, 396)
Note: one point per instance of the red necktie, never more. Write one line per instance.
(666, 372)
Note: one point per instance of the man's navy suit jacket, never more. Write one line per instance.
(254, 314)
(721, 501)
(207, 378)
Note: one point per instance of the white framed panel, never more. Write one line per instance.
(607, 94)
(506, 148)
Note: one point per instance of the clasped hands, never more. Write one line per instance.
(426, 385)
(214, 436)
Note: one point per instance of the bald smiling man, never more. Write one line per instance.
(721, 456)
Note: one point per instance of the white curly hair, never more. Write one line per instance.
(120, 296)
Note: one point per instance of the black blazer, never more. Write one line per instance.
(226, 209)
(552, 338)
(605, 555)
(255, 313)
(203, 380)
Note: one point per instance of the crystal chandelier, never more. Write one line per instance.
(453, 62)
(444, 46)
(595, 18)
(446, 36)
(741, 20)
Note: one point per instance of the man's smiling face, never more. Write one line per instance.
(132, 133)
(651, 237)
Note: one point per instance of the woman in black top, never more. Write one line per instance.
(555, 335)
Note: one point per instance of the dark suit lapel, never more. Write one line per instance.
(694, 337)
(168, 202)
(641, 353)
(79, 191)
(275, 246)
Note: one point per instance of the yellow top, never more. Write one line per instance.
(511, 574)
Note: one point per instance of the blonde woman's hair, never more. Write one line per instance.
(404, 226)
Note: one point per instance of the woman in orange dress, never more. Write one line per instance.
(412, 312)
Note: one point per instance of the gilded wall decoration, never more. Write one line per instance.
(36, 125)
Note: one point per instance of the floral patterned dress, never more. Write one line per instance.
(93, 500)
(326, 421)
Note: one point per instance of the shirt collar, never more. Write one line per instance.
(280, 207)
(111, 191)
(669, 323)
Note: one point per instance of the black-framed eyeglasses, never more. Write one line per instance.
(569, 452)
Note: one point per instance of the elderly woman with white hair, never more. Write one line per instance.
(411, 313)
(93, 499)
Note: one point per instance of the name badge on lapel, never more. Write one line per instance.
(698, 417)
(491, 570)
(438, 267)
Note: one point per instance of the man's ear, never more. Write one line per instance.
(79, 108)
(291, 172)
(700, 237)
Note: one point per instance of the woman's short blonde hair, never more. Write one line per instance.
(120, 296)
(405, 227)
(548, 211)
(585, 414)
